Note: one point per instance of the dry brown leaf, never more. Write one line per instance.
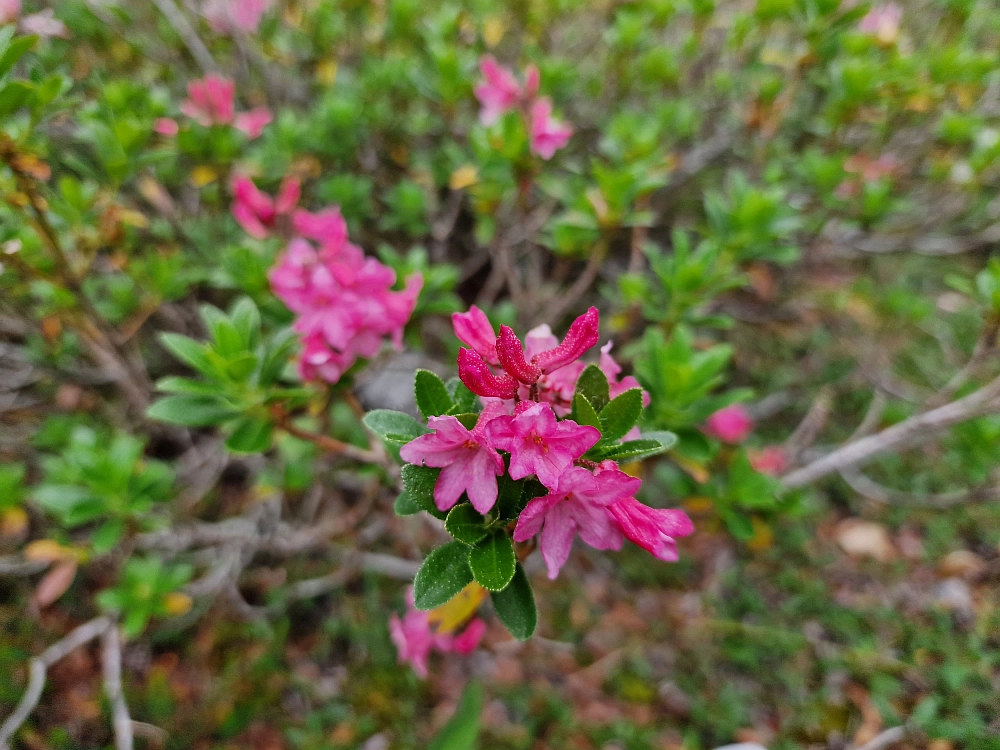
(55, 583)
(961, 563)
(865, 539)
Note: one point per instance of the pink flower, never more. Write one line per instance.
(10, 11)
(414, 638)
(469, 463)
(499, 92)
(540, 445)
(226, 16)
(651, 528)
(476, 375)
(577, 504)
(468, 640)
(882, 22)
(327, 227)
(343, 301)
(252, 123)
(165, 126)
(257, 212)
(730, 425)
(582, 335)
(474, 329)
(548, 135)
(44, 24)
(771, 460)
(210, 101)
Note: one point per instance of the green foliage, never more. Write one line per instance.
(515, 606)
(444, 573)
(144, 592)
(463, 727)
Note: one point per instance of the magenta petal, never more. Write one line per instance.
(450, 485)
(557, 540)
(474, 330)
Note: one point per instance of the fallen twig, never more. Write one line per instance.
(39, 667)
(111, 659)
(885, 739)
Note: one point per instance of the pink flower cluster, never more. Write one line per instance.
(343, 300)
(414, 637)
(882, 22)
(733, 424)
(500, 92)
(44, 23)
(227, 16)
(594, 501)
(211, 102)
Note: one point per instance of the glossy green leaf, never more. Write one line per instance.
(593, 385)
(621, 414)
(492, 561)
(251, 435)
(515, 606)
(444, 573)
(192, 411)
(394, 426)
(466, 524)
(431, 394)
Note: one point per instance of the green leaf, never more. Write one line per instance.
(246, 318)
(583, 412)
(593, 385)
(394, 426)
(444, 573)
(431, 394)
(466, 524)
(192, 411)
(465, 400)
(468, 420)
(418, 486)
(739, 525)
(251, 435)
(276, 355)
(13, 96)
(190, 352)
(405, 505)
(15, 51)
(515, 606)
(621, 414)
(462, 729)
(509, 498)
(492, 561)
(634, 450)
(107, 536)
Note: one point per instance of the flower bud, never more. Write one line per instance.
(475, 374)
(511, 356)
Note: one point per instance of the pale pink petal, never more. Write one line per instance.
(556, 540)
(468, 640)
(165, 126)
(253, 122)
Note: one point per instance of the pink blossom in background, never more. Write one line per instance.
(882, 22)
(44, 24)
(10, 11)
(731, 424)
(772, 460)
(577, 504)
(253, 122)
(540, 445)
(327, 227)
(468, 462)
(344, 300)
(474, 330)
(612, 369)
(226, 16)
(165, 126)
(498, 92)
(257, 212)
(414, 638)
(547, 135)
(210, 101)
(650, 528)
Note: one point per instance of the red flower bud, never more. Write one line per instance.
(582, 335)
(475, 374)
(511, 356)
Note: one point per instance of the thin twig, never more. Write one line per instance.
(39, 667)
(188, 35)
(985, 345)
(812, 424)
(111, 659)
(872, 490)
(885, 739)
(912, 431)
(563, 302)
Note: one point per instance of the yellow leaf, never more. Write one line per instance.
(13, 522)
(633, 468)
(203, 175)
(698, 505)
(177, 604)
(463, 177)
(919, 103)
(696, 470)
(326, 72)
(493, 31)
(48, 550)
(460, 608)
(132, 218)
(763, 536)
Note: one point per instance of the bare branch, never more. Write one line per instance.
(913, 431)
(111, 659)
(188, 35)
(563, 302)
(15, 565)
(811, 425)
(39, 667)
(886, 739)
